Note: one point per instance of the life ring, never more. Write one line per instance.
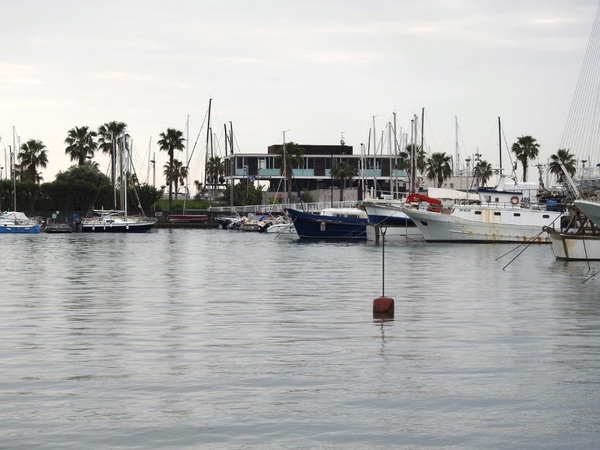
(514, 200)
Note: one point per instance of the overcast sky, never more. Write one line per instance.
(318, 68)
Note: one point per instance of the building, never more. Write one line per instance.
(373, 174)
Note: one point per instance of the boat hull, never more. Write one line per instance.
(117, 228)
(590, 209)
(19, 228)
(398, 233)
(386, 214)
(484, 224)
(573, 247)
(315, 226)
(187, 218)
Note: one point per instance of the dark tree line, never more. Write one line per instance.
(78, 189)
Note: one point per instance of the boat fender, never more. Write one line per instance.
(514, 200)
(323, 226)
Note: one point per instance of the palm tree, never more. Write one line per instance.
(179, 174)
(439, 168)
(482, 172)
(170, 141)
(289, 155)
(215, 168)
(109, 135)
(567, 159)
(525, 148)
(81, 144)
(168, 173)
(344, 172)
(33, 155)
(406, 158)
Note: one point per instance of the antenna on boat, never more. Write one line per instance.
(383, 306)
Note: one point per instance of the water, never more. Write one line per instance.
(215, 339)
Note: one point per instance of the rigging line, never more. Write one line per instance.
(197, 137)
(589, 278)
(526, 247)
(509, 252)
(512, 163)
(528, 242)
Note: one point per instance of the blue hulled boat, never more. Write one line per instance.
(332, 223)
(17, 223)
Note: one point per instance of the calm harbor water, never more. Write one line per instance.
(218, 339)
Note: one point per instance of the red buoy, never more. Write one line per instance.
(383, 304)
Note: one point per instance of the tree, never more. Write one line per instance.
(289, 155)
(439, 168)
(33, 155)
(215, 168)
(344, 172)
(109, 135)
(525, 148)
(79, 188)
(170, 141)
(81, 144)
(176, 174)
(567, 159)
(482, 172)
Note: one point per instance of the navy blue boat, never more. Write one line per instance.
(332, 223)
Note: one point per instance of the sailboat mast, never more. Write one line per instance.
(126, 161)
(232, 166)
(500, 143)
(285, 171)
(374, 160)
(208, 131)
(456, 156)
(395, 178)
(391, 160)
(14, 169)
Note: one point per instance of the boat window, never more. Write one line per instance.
(478, 213)
(423, 223)
(488, 198)
(546, 216)
(517, 214)
(496, 213)
(497, 200)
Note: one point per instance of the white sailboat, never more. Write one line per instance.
(117, 220)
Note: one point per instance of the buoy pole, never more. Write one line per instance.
(383, 305)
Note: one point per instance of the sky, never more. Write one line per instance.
(318, 70)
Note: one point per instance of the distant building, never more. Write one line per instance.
(374, 174)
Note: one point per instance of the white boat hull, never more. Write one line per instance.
(397, 233)
(572, 247)
(479, 223)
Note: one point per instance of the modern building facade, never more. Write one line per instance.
(376, 174)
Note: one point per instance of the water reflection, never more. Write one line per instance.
(183, 331)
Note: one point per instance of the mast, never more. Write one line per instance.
(114, 169)
(285, 171)
(500, 143)
(413, 140)
(422, 139)
(208, 131)
(395, 191)
(456, 156)
(187, 157)
(232, 165)
(14, 169)
(122, 172)
(374, 160)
